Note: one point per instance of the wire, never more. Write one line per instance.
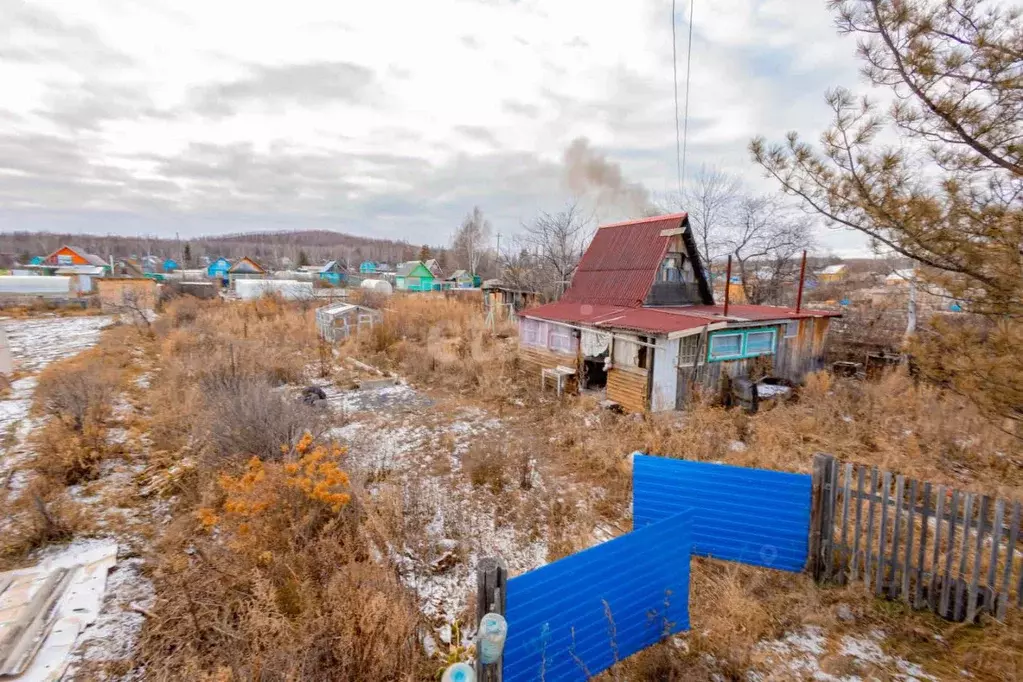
(689, 63)
(674, 72)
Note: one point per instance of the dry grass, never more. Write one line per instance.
(275, 568)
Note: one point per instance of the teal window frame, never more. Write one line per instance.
(744, 351)
(721, 358)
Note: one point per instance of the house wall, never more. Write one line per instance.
(114, 292)
(73, 258)
(793, 359)
(542, 345)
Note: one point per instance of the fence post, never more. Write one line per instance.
(491, 597)
(822, 515)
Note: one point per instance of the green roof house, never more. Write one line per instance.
(414, 276)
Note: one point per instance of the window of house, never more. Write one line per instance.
(530, 329)
(725, 346)
(625, 352)
(759, 343)
(560, 339)
(671, 268)
(738, 344)
(688, 348)
(792, 329)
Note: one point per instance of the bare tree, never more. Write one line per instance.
(471, 239)
(713, 201)
(765, 241)
(547, 253)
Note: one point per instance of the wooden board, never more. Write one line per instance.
(628, 388)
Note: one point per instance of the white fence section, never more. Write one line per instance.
(250, 289)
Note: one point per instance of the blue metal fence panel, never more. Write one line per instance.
(753, 516)
(576, 617)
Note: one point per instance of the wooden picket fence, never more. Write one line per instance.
(935, 547)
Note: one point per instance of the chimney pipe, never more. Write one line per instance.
(802, 278)
(728, 284)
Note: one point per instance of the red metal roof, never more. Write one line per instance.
(740, 312)
(621, 262)
(650, 320)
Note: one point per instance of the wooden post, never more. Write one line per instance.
(922, 549)
(822, 514)
(843, 556)
(882, 537)
(860, 471)
(1003, 597)
(868, 566)
(939, 515)
(491, 597)
(728, 284)
(894, 584)
(802, 279)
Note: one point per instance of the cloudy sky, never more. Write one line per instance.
(387, 119)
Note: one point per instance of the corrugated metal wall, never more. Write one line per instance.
(753, 516)
(561, 616)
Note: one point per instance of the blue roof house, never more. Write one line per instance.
(332, 272)
(218, 269)
(368, 267)
(170, 265)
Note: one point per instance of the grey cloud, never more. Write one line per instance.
(53, 39)
(520, 108)
(312, 84)
(479, 134)
(88, 106)
(471, 42)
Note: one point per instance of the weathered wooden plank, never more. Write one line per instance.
(843, 558)
(1003, 597)
(868, 559)
(971, 599)
(925, 523)
(832, 515)
(992, 570)
(817, 503)
(894, 584)
(860, 471)
(932, 597)
(491, 597)
(946, 586)
(882, 557)
(964, 556)
(907, 560)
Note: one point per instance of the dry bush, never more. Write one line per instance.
(75, 395)
(247, 417)
(486, 465)
(41, 515)
(274, 578)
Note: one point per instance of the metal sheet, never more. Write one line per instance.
(753, 516)
(576, 617)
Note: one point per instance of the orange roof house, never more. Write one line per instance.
(73, 255)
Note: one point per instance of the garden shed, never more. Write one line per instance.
(338, 321)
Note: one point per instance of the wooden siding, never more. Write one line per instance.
(115, 292)
(536, 359)
(628, 388)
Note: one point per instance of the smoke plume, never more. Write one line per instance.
(589, 173)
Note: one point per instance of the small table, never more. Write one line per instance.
(559, 374)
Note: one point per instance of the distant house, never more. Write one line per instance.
(170, 265)
(245, 268)
(332, 272)
(833, 273)
(900, 278)
(434, 267)
(461, 279)
(639, 320)
(218, 269)
(368, 267)
(73, 255)
(150, 264)
(36, 260)
(414, 276)
(129, 267)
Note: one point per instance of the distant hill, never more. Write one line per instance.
(268, 248)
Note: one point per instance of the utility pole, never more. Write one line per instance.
(498, 268)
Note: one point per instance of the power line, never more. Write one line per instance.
(674, 72)
(689, 63)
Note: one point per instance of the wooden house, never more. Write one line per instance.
(170, 265)
(639, 320)
(218, 270)
(368, 267)
(67, 256)
(330, 272)
(833, 273)
(461, 279)
(506, 301)
(413, 276)
(245, 268)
